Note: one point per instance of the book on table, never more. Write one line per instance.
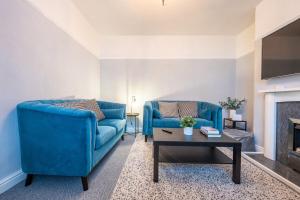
(210, 132)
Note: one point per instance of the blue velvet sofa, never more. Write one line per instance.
(66, 141)
(208, 115)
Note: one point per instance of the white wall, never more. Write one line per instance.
(244, 75)
(166, 47)
(270, 16)
(38, 61)
(67, 16)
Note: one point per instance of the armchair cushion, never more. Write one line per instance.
(105, 134)
(113, 113)
(118, 124)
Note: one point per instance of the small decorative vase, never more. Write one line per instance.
(232, 114)
(188, 131)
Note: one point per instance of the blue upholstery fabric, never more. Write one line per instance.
(209, 115)
(117, 113)
(156, 113)
(118, 124)
(175, 123)
(61, 141)
(105, 134)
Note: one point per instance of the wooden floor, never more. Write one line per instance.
(277, 167)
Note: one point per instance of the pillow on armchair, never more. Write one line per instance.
(168, 109)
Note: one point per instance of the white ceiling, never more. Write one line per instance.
(177, 17)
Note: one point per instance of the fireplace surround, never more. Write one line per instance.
(287, 113)
(272, 97)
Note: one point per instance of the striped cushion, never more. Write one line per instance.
(91, 105)
(168, 109)
(188, 109)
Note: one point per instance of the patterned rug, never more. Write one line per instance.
(193, 181)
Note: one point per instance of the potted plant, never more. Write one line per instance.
(232, 104)
(187, 124)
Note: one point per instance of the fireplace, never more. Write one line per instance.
(286, 113)
(294, 144)
(273, 98)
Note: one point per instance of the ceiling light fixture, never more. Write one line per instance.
(163, 2)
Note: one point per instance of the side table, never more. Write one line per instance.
(133, 116)
(234, 122)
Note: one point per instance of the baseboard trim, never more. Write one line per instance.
(259, 149)
(273, 174)
(8, 182)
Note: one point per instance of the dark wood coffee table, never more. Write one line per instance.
(179, 148)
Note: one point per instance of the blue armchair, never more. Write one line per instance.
(66, 141)
(208, 115)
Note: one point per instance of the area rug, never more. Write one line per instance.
(193, 181)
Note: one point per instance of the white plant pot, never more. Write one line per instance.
(188, 131)
(232, 114)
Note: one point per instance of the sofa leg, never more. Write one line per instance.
(122, 137)
(84, 181)
(28, 180)
(146, 138)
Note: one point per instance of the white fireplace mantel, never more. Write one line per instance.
(272, 97)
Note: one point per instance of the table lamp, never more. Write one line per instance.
(133, 100)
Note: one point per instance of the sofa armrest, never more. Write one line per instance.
(147, 119)
(56, 140)
(216, 116)
(112, 105)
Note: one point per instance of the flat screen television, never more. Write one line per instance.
(281, 52)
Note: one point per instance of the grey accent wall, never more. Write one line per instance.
(209, 80)
(244, 85)
(38, 61)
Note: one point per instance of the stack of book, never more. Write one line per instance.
(210, 132)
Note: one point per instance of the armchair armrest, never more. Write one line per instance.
(56, 140)
(147, 118)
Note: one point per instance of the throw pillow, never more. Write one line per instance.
(188, 109)
(90, 105)
(168, 109)
(113, 113)
(156, 113)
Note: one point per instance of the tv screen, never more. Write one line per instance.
(281, 52)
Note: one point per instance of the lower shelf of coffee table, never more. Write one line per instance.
(186, 154)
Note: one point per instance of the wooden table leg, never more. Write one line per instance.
(155, 166)
(236, 165)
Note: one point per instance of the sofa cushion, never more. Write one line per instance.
(105, 134)
(168, 109)
(188, 109)
(118, 124)
(91, 105)
(175, 123)
(113, 113)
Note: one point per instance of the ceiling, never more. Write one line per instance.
(177, 17)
